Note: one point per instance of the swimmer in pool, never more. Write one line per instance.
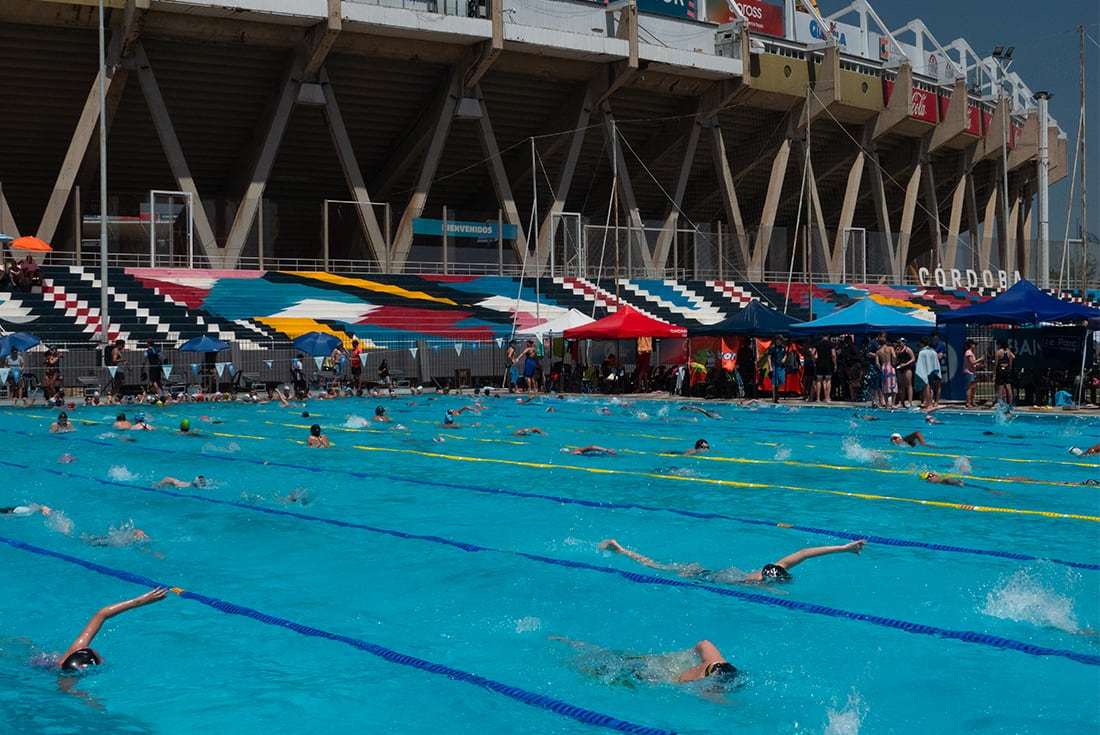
(121, 422)
(777, 572)
(936, 479)
(26, 510)
(625, 668)
(449, 421)
(705, 412)
(62, 424)
(1078, 452)
(701, 445)
(199, 481)
(80, 655)
(912, 439)
(592, 451)
(316, 438)
(380, 414)
(529, 431)
(185, 428)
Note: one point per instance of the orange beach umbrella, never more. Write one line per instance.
(31, 243)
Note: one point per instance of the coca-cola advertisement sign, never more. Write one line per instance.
(923, 106)
(973, 120)
(764, 16)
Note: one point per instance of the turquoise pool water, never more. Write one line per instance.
(972, 609)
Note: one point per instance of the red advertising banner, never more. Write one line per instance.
(1014, 135)
(923, 106)
(973, 120)
(764, 16)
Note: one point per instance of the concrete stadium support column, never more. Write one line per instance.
(729, 189)
(992, 223)
(260, 167)
(499, 177)
(1015, 227)
(819, 222)
(767, 217)
(345, 153)
(174, 152)
(1023, 235)
(932, 207)
(86, 131)
(847, 213)
(882, 208)
(8, 225)
(637, 243)
(672, 214)
(949, 253)
(583, 113)
(905, 229)
(403, 241)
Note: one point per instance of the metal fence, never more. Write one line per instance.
(435, 363)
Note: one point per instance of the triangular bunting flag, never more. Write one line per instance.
(473, 346)
(268, 363)
(112, 370)
(4, 374)
(220, 367)
(167, 371)
(232, 370)
(412, 351)
(319, 359)
(194, 368)
(435, 347)
(458, 348)
(499, 341)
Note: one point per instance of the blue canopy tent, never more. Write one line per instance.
(755, 319)
(1024, 303)
(1021, 304)
(866, 315)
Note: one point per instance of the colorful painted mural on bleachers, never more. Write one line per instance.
(255, 308)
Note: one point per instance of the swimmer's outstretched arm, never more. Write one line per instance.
(798, 557)
(104, 614)
(614, 546)
(708, 654)
(592, 449)
(172, 482)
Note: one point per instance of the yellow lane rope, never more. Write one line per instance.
(730, 483)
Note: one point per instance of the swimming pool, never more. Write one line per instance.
(424, 585)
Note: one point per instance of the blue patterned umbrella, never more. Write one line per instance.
(205, 343)
(317, 343)
(22, 340)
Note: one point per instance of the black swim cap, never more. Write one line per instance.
(725, 668)
(776, 572)
(379, 410)
(81, 659)
(701, 443)
(305, 414)
(315, 430)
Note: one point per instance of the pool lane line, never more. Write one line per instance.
(736, 483)
(885, 540)
(523, 696)
(638, 578)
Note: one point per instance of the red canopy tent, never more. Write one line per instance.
(626, 323)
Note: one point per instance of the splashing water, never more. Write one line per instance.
(782, 454)
(119, 473)
(1026, 598)
(855, 451)
(962, 465)
(58, 521)
(355, 422)
(528, 624)
(847, 720)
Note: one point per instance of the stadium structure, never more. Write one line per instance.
(754, 140)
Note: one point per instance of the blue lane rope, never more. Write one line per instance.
(540, 701)
(883, 540)
(907, 626)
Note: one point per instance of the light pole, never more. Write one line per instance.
(103, 294)
(1003, 57)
